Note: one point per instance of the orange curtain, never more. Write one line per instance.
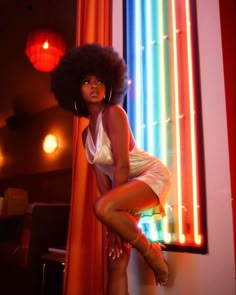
(85, 260)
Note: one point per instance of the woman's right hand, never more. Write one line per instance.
(115, 245)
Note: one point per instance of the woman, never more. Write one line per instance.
(91, 81)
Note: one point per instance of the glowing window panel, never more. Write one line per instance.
(164, 108)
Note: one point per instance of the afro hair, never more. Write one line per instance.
(88, 59)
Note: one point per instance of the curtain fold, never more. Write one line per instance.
(85, 259)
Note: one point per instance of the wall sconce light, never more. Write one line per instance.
(1, 158)
(50, 143)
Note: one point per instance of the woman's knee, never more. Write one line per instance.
(101, 208)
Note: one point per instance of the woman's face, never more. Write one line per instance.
(93, 89)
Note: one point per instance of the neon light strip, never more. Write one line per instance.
(153, 232)
(197, 237)
(138, 71)
(151, 63)
(162, 85)
(177, 127)
(163, 113)
(149, 74)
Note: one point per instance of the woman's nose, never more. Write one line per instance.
(94, 83)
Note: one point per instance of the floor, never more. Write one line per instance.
(17, 281)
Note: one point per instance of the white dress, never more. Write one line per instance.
(143, 167)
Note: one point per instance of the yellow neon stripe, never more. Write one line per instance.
(197, 237)
(177, 127)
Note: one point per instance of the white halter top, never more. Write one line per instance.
(99, 152)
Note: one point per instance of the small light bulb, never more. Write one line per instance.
(45, 45)
(50, 143)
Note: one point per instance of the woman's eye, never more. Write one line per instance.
(85, 82)
(100, 81)
(91, 81)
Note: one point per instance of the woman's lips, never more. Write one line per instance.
(94, 93)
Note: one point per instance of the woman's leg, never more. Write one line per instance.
(112, 209)
(117, 274)
(117, 266)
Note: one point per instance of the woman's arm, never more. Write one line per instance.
(114, 244)
(117, 127)
(103, 181)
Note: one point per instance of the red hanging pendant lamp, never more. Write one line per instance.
(44, 48)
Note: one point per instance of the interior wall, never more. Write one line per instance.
(213, 273)
(21, 148)
(23, 163)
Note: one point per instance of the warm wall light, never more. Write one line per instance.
(50, 144)
(44, 48)
(1, 157)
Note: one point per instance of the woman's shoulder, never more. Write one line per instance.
(112, 111)
(114, 116)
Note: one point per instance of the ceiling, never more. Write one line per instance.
(25, 91)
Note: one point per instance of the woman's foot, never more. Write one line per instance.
(155, 260)
(153, 256)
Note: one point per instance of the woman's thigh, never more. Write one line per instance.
(134, 196)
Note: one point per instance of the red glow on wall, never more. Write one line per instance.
(44, 48)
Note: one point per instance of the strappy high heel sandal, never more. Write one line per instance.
(153, 257)
(155, 260)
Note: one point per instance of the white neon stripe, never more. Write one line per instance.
(149, 96)
(153, 232)
(197, 237)
(138, 71)
(177, 126)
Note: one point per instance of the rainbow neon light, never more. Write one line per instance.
(162, 108)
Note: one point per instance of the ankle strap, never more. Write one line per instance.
(159, 245)
(139, 234)
(148, 250)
